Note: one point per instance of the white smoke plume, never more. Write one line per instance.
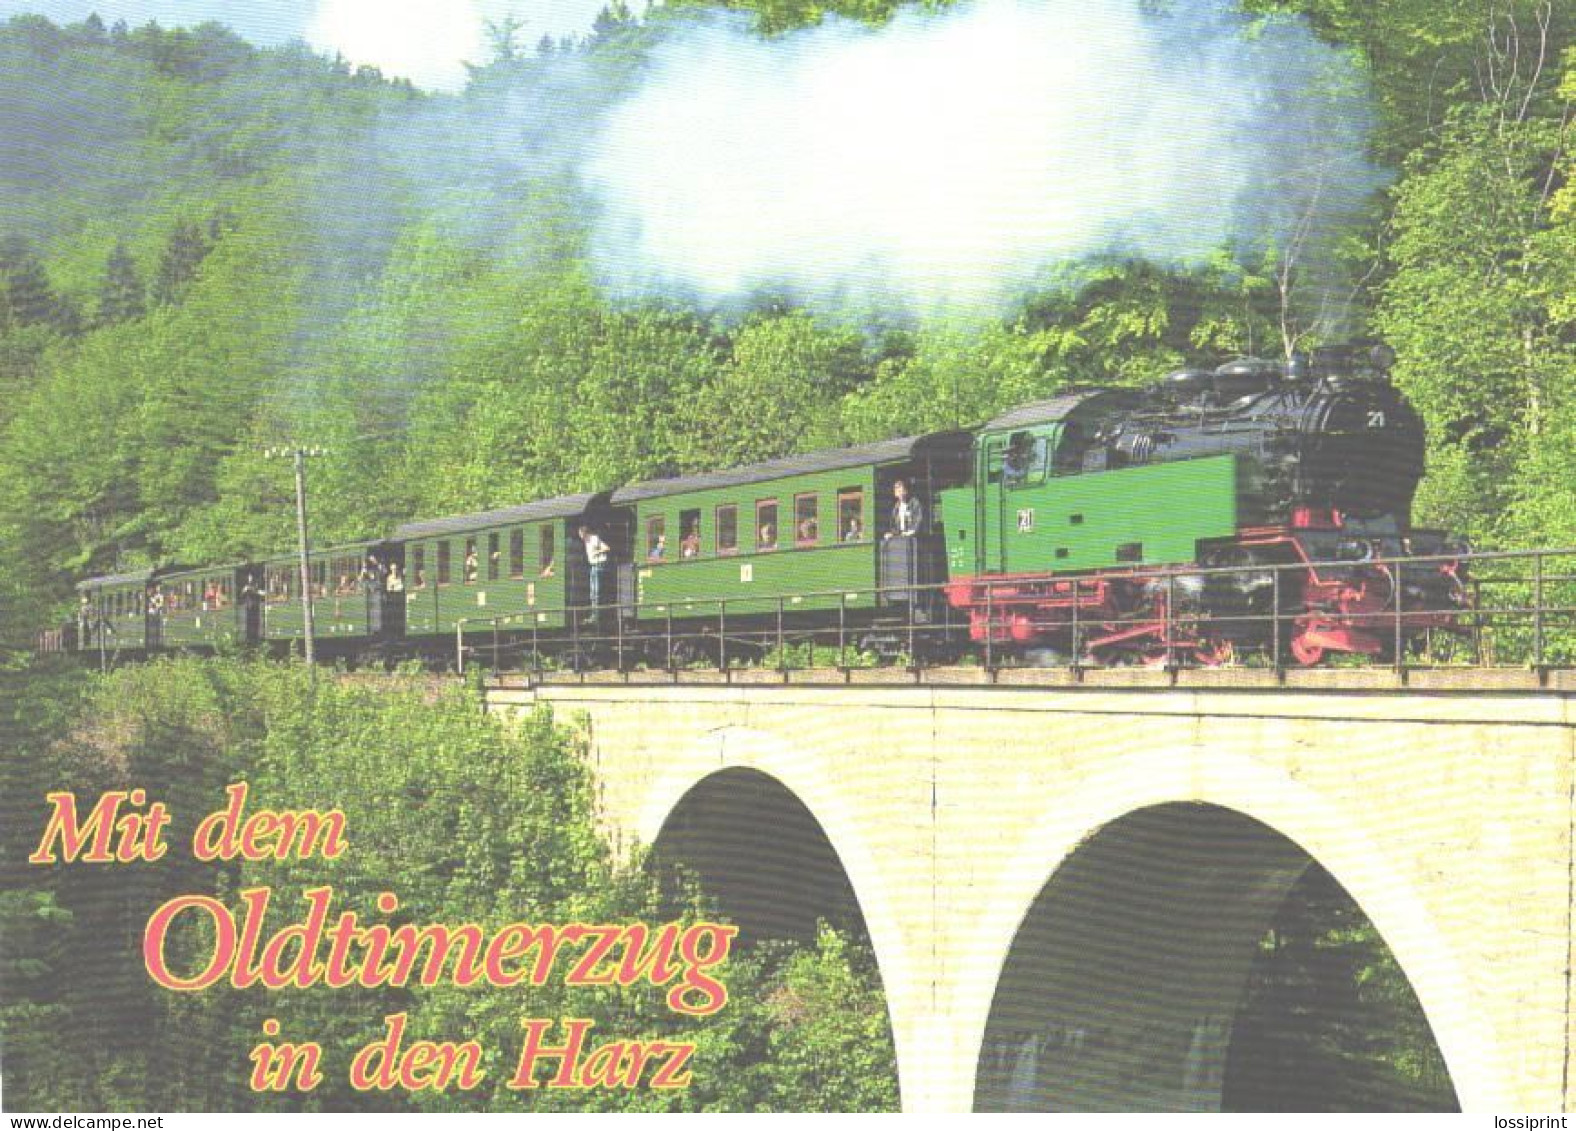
(943, 162)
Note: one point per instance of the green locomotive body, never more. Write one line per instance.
(1031, 506)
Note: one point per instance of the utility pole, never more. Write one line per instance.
(299, 456)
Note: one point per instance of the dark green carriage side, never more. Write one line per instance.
(349, 585)
(115, 613)
(200, 607)
(518, 567)
(802, 533)
(1036, 503)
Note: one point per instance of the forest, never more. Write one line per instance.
(209, 248)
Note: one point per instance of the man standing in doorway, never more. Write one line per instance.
(907, 514)
(597, 559)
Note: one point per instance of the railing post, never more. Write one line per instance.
(618, 628)
(1077, 656)
(913, 659)
(574, 634)
(459, 646)
(1275, 618)
(842, 630)
(536, 644)
(669, 611)
(1537, 609)
(722, 635)
(782, 653)
(1170, 621)
(1400, 589)
(495, 646)
(990, 627)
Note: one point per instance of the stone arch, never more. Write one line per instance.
(761, 854)
(1167, 799)
(767, 769)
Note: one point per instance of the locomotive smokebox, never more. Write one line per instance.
(1362, 450)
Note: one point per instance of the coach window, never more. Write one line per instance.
(656, 538)
(418, 567)
(517, 552)
(728, 529)
(806, 526)
(689, 525)
(443, 564)
(851, 514)
(494, 556)
(766, 524)
(544, 551)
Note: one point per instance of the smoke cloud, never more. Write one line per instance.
(946, 161)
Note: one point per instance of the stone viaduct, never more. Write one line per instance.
(1065, 878)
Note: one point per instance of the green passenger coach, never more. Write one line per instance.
(350, 603)
(805, 533)
(203, 607)
(113, 612)
(519, 568)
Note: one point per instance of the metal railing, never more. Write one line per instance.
(1493, 609)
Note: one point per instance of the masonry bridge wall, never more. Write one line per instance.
(1064, 886)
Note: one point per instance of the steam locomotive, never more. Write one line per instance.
(1289, 480)
(1256, 506)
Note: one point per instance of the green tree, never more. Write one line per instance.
(1477, 305)
(121, 296)
(182, 255)
(776, 395)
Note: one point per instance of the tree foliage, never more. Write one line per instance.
(463, 818)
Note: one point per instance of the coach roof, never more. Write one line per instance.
(831, 459)
(142, 577)
(564, 506)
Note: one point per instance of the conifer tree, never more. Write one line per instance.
(178, 265)
(29, 299)
(122, 296)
